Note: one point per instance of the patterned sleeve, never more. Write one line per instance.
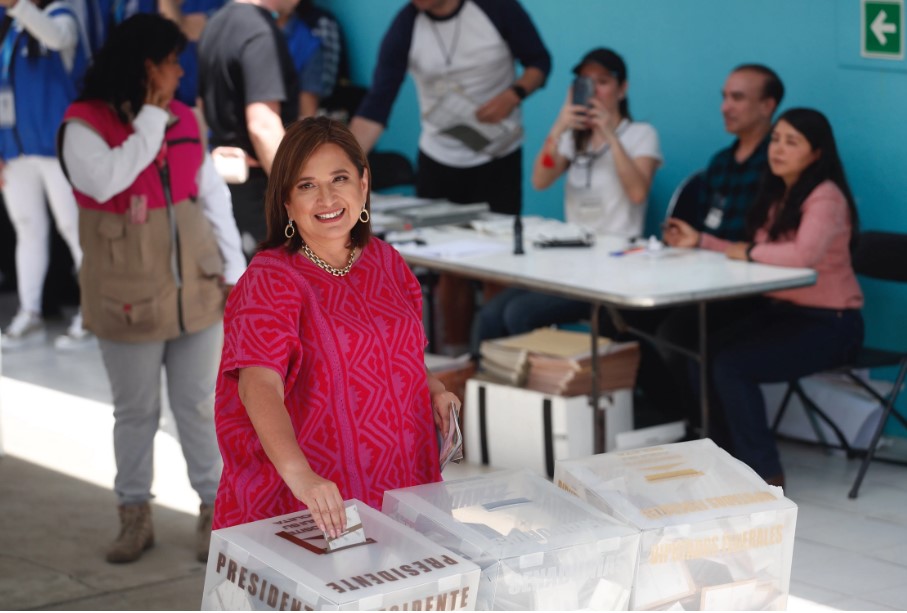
(409, 284)
(261, 322)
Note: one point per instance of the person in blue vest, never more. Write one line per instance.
(41, 60)
(308, 60)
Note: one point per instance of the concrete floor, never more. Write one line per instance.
(59, 513)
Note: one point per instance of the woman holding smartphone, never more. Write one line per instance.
(609, 160)
(804, 216)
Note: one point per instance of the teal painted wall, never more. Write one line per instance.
(678, 54)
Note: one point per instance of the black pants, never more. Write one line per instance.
(776, 342)
(249, 208)
(498, 182)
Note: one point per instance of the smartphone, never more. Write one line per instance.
(583, 90)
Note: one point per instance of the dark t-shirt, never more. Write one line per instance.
(243, 58)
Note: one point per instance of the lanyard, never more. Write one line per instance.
(9, 45)
(448, 53)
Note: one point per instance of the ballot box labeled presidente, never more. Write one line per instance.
(286, 564)
(714, 535)
(538, 547)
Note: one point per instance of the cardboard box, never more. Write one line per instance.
(714, 535)
(538, 547)
(511, 427)
(282, 564)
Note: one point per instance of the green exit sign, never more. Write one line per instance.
(882, 29)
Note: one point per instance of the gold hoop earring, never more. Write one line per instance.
(364, 216)
(290, 230)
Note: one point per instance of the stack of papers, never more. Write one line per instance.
(504, 363)
(559, 362)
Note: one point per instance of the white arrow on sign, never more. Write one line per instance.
(880, 28)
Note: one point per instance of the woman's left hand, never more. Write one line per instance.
(441, 403)
(737, 251)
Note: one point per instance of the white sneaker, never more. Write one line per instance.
(76, 337)
(26, 329)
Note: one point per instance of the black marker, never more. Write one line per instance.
(517, 236)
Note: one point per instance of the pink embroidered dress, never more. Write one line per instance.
(351, 353)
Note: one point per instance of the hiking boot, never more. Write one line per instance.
(76, 337)
(24, 330)
(136, 534)
(203, 532)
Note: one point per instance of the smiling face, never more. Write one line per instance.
(327, 198)
(790, 153)
(608, 89)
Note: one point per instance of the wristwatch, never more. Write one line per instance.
(520, 91)
(749, 252)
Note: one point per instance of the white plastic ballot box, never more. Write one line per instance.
(538, 547)
(282, 564)
(714, 534)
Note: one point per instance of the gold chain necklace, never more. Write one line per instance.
(337, 272)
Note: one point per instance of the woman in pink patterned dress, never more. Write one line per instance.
(323, 394)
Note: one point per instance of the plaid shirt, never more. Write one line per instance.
(731, 187)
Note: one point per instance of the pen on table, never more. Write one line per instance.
(627, 251)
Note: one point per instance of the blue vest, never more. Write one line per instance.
(42, 88)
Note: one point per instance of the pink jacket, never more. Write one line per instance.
(820, 242)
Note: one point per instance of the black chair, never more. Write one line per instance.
(684, 203)
(879, 255)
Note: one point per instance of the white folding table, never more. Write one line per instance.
(638, 280)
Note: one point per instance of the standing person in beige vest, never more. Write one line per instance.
(161, 250)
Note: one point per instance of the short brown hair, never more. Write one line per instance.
(301, 140)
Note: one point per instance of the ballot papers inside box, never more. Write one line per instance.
(283, 563)
(714, 535)
(538, 547)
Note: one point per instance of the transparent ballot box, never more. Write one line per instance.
(714, 534)
(538, 547)
(283, 563)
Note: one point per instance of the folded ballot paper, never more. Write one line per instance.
(452, 445)
(353, 535)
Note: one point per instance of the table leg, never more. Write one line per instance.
(703, 372)
(598, 417)
(429, 281)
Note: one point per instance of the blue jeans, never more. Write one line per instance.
(515, 311)
(777, 342)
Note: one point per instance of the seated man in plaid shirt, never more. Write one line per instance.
(751, 95)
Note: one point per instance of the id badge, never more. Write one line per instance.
(138, 209)
(713, 219)
(7, 107)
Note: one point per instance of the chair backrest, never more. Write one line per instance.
(881, 255)
(390, 169)
(684, 203)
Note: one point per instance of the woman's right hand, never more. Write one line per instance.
(571, 117)
(679, 233)
(323, 499)
(156, 93)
